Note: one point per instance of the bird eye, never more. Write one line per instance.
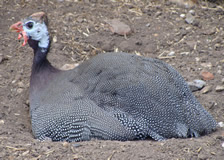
(29, 25)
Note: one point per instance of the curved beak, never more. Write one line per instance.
(18, 27)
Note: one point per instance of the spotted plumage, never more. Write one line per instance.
(112, 96)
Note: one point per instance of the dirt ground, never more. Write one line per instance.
(79, 31)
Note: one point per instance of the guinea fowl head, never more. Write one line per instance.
(34, 31)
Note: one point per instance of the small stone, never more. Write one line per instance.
(192, 12)
(14, 81)
(185, 53)
(65, 144)
(213, 153)
(171, 53)
(25, 153)
(219, 71)
(148, 25)
(162, 144)
(207, 65)
(19, 90)
(76, 157)
(2, 122)
(223, 144)
(69, 66)
(197, 59)
(206, 89)
(55, 39)
(221, 124)
(157, 14)
(222, 81)
(182, 15)
(20, 84)
(118, 27)
(27, 102)
(191, 44)
(219, 88)
(209, 31)
(189, 18)
(205, 75)
(196, 85)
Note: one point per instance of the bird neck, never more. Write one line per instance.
(42, 70)
(40, 62)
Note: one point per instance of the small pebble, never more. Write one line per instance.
(162, 144)
(65, 144)
(25, 153)
(157, 14)
(221, 124)
(27, 102)
(191, 44)
(189, 18)
(148, 25)
(19, 90)
(118, 27)
(185, 53)
(192, 12)
(14, 81)
(20, 84)
(219, 88)
(205, 75)
(209, 31)
(223, 144)
(206, 89)
(55, 39)
(182, 15)
(2, 121)
(207, 65)
(69, 66)
(196, 84)
(197, 59)
(171, 53)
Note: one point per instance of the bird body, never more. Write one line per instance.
(112, 96)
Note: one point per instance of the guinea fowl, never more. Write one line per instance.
(112, 96)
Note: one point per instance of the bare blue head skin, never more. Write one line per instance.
(34, 31)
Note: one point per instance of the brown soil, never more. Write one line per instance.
(80, 31)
